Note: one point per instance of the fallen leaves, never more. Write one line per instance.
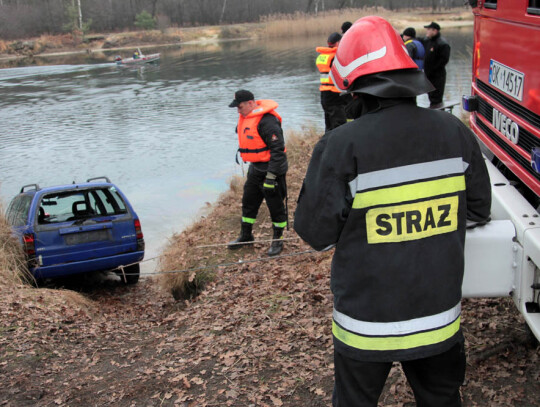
(259, 334)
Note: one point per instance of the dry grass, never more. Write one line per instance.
(3, 47)
(324, 23)
(303, 24)
(13, 270)
(223, 224)
(56, 41)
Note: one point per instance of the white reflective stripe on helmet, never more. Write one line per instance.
(336, 83)
(344, 71)
(399, 327)
(407, 173)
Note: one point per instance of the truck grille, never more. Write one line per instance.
(523, 162)
(509, 104)
(527, 140)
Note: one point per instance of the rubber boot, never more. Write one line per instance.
(246, 235)
(277, 244)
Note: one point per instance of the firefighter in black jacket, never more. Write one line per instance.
(435, 60)
(261, 143)
(393, 191)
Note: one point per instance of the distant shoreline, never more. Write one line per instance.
(282, 26)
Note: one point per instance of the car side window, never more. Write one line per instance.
(17, 213)
(10, 213)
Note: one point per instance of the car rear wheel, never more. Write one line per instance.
(132, 274)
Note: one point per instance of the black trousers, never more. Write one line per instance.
(435, 380)
(254, 194)
(334, 110)
(436, 96)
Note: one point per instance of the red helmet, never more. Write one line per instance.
(371, 45)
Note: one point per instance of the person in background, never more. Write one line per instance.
(414, 47)
(261, 142)
(136, 55)
(435, 60)
(333, 105)
(393, 192)
(345, 26)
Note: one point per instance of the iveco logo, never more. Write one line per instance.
(506, 126)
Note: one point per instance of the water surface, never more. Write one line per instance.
(163, 133)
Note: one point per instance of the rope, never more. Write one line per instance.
(198, 247)
(246, 243)
(239, 262)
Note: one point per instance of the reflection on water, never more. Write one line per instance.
(162, 132)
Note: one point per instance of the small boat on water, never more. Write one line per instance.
(137, 59)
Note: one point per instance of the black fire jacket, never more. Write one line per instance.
(393, 191)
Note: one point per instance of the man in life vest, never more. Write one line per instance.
(261, 143)
(393, 191)
(331, 102)
(414, 47)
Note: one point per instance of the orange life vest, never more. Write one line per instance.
(253, 149)
(324, 63)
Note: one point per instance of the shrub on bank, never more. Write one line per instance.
(145, 21)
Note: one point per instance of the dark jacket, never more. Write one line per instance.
(437, 56)
(270, 131)
(393, 191)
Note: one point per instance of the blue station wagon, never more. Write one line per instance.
(77, 228)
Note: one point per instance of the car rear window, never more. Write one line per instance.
(80, 204)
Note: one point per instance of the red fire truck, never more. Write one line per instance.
(505, 115)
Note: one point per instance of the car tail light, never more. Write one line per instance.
(29, 244)
(140, 236)
(138, 229)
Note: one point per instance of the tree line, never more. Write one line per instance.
(28, 18)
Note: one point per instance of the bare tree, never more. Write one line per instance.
(154, 7)
(222, 11)
(80, 14)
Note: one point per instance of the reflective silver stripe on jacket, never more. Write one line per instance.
(399, 327)
(407, 173)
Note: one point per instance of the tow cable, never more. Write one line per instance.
(213, 266)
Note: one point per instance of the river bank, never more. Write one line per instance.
(253, 332)
(36, 51)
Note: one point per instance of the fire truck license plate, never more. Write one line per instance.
(506, 79)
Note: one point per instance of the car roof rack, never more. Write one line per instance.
(34, 186)
(96, 178)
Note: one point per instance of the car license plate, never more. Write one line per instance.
(506, 79)
(86, 237)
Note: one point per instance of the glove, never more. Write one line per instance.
(270, 183)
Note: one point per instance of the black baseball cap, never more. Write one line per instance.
(409, 32)
(333, 39)
(241, 96)
(433, 25)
